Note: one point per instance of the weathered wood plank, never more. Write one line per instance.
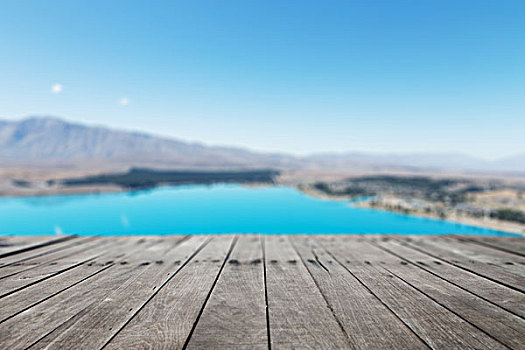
(42, 268)
(299, 315)
(20, 258)
(434, 324)
(31, 325)
(100, 321)
(167, 320)
(483, 268)
(507, 261)
(506, 298)
(367, 321)
(10, 246)
(22, 300)
(501, 325)
(507, 244)
(14, 243)
(235, 314)
(41, 260)
(323, 292)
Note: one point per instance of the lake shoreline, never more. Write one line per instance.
(411, 204)
(306, 214)
(133, 179)
(497, 225)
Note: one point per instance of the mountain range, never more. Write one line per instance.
(46, 141)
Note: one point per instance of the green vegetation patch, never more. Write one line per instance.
(145, 178)
(508, 214)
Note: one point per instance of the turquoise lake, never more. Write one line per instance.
(208, 209)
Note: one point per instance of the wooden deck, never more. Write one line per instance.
(259, 292)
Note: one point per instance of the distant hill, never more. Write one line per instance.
(515, 162)
(419, 161)
(54, 142)
(37, 141)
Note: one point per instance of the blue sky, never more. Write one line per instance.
(296, 76)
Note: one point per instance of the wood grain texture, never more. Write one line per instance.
(507, 244)
(494, 321)
(166, 321)
(40, 268)
(299, 314)
(235, 315)
(484, 266)
(253, 292)
(35, 323)
(36, 293)
(367, 321)
(100, 321)
(508, 261)
(434, 324)
(10, 246)
(13, 243)
(23, 256)
(508, 299)
(28, 263)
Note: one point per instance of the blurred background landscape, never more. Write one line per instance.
(51, 156)
(417, 107)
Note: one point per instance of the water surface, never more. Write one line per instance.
(208, 209)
